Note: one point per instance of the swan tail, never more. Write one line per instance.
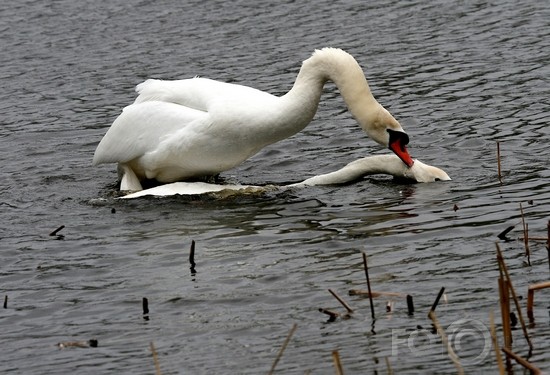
(128, 179)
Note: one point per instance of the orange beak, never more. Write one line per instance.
(398, 141)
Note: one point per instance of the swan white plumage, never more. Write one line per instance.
(183, 129)
(377, 164)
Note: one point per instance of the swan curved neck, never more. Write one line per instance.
(336, 65)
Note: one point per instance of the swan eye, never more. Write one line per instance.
(437, 179)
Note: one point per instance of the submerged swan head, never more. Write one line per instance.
(421, 172)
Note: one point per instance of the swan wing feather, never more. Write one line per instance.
(141, 128)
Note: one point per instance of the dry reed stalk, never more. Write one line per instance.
(145, 305)
(361, 292)
(502, 235)
(54, 233)
(494, 337)
(192, 256)
(346, 306)
(436, 302)
(522, 361)
(533, 238)
(498, 163)
(531, 298)
(332, 314)
(504, 298)
(445, 342)
(410, 305)
(155, 359)
(285, 344)
(368, 284)
(388, 366)
(548, 244)
(337, 363)
(504, 269)
(525, 235)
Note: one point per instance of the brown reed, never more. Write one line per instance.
(332, 314)
(498, 163)
(155, 359)
(361, 292)
(494, 338)
(346, 306)
(504, 298)
(525, 235)
(531, 297)
(285, 344)
(503, 269)
(368, 284)
(388, 366)
(548, 243)
(445, 342)
(522, 361)
(337, 363)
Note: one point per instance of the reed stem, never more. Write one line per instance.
(500, 363)
(445, 342)
(522, 361)
(498, 163)
(410, 305)
(525, 235)
(155, 359)
(346, 306)
(285, 344)
(368, 284)
(531, 298)
(337, 363)
(436, 302)
(504, 269)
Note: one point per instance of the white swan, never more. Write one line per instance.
(378, 164)
(177, 130)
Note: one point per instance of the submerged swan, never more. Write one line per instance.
(177, 130)
(378, 164)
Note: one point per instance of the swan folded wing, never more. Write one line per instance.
(141, 128)
(197, 93)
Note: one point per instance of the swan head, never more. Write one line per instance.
(383, 128)
(426, 173)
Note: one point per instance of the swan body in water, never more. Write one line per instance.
(377, 164)
(191, 128)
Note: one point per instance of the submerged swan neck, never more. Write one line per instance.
(378, 164)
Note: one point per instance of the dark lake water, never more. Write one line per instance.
(460, 77)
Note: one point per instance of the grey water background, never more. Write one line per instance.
(460, 76)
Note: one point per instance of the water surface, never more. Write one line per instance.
(459, 77)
